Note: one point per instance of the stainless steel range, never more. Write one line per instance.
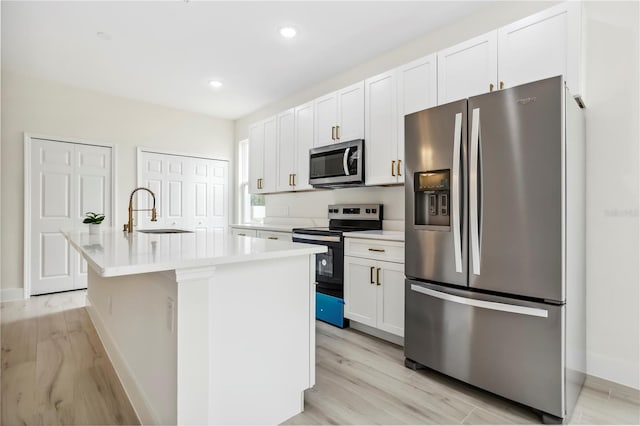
(330, 265)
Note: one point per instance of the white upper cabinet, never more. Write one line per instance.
(256, 156)
(286, 150)
(303, 143)
(350, 124)
(417, 90)
(389, 97)
(540, 46)
(339, 116)
(468, 69)
(262, 156)
(381, 132)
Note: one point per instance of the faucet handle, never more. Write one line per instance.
(154, 217)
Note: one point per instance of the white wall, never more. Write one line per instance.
(611, 95)
(612, 121)
(43, 107)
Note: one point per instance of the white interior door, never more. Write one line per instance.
(191, 193)
(67, 180)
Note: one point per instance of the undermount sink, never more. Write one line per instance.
(163, 231)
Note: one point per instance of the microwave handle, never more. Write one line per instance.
(345, 161)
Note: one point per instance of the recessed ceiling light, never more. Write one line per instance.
(103, 35)
(215, 83)
(288, 32)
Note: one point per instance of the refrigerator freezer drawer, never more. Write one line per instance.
(509, 347)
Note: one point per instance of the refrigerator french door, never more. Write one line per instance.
(486, 244)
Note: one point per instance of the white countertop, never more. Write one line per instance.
(377, 235)
(265, 226)
(114, 252)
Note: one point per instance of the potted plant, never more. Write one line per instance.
(94, 220)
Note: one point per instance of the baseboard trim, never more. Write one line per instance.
(136, 395)
(9, 294)
(380, 334)
(613, 388)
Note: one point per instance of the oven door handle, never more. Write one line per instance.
(345, 161)
(317, 238)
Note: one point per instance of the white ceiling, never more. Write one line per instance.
(165, 52)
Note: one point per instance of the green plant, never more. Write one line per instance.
(91, 217)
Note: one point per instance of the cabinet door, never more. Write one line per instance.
(417, 90)
(540, 46)
(360, 290)
(390, 309)
(326, 118)
(303, 143)
(256, 157)
(381, 132)
(243, 232)
(274, 235)
(351, 113)
(286, 151)
(270, 155)
(468, 69)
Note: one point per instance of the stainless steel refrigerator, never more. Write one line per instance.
(495, 244)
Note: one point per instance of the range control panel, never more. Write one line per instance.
(355, 211)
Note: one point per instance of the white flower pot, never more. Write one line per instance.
(94, 228)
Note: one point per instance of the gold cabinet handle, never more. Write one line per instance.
(242, 235)
(393, 167)
(378, 276)
(371, 275)
(333, 133)
(293, 179)
(272, 238)
(399, 168)
(377, 250)
(338, 132)
(290, 179)
(501, 85)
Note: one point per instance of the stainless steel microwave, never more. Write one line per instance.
(337, 165)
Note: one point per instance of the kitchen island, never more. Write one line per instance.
(206, 327)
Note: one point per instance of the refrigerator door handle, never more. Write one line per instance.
(345, 161)
(455, 193)
(473, 191)
(484, 304)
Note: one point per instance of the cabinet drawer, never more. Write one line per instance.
(243, 232)
(330, 309)
(274, 235)
(389, 251)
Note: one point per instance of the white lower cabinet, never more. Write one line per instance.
(244, 232)
(374, 293)
(274, 235)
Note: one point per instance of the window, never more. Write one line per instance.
(250, 206)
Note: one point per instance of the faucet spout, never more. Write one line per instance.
(154, 217)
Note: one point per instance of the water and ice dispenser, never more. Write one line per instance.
(432, 198)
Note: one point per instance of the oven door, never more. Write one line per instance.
(329, 265)
(340, 164)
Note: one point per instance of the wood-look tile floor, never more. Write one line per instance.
(363, 380)
(55, 371)
(54, 368)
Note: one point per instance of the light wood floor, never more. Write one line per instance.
(55, 371)
(54, 368)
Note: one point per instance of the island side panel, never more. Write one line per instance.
(134, 320)
(258, 342)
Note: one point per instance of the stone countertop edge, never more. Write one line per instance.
(377, 235)
(264, 250)
(265, 227)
